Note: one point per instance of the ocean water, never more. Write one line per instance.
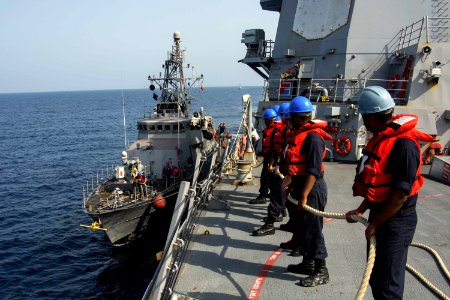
(50, 145)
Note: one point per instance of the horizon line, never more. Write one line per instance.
(112, 89)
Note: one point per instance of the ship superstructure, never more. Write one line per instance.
(329, 50)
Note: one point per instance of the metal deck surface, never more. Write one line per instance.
(224, 260)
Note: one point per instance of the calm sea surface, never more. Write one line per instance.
(50, 145)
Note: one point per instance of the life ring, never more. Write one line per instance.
(242, 145)
(343, 145)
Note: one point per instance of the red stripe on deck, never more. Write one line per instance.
(327, 220)
(257, 285)
(259, 282)
(432, 196)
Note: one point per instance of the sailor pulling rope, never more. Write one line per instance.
(371, 258)
(372, 247)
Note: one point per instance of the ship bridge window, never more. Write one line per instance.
(151, 127)
(167, 127)
(159, 127)
(182, 126)
(175, 127)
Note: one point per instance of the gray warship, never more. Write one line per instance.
(328, 51)
(172, 146)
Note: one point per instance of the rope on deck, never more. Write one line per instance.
(423, 278)
(371, 258)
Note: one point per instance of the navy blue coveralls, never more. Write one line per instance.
(276, 204)
(264, 188)
(308, 232)
(267, 177)
(396, 234)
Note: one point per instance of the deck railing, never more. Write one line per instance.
(332, 89)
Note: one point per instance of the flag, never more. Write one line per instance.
(201, 87)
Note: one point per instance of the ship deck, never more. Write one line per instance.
(224, 261)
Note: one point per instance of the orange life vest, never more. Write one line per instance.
(279, 137)
(371, 181)
(294, 161)
(268, 135)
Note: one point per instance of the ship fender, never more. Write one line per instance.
(343, 145)
(159, 201)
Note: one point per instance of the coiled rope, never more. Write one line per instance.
(371, 258)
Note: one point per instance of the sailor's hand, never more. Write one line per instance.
(302, 203)
(285, 184)
(286, 192)
(349, 214)
(370, 231)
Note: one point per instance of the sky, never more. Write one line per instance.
(66, 45)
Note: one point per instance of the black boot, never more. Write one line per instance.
(266, 229)
(320, 275)
(277, 219)
(258, 200)
(306, 267)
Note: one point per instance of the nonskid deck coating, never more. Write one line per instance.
(223, 260)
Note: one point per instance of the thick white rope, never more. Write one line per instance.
(371, 258)
(423, 278)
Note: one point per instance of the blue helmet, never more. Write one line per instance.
(300, 104)
(287, 115)
(276, 108)
(269, 113)
(283, 108)
(278, 118)
(374, 99)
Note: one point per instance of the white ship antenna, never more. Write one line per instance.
(124, 120)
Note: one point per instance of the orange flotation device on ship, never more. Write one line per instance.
(343, 145)
(159, 201)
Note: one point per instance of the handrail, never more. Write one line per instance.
(414, 30)
(338, 89)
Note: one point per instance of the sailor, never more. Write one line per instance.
(268, 133)
(141, 181)
(304, 158)
(388, 177)
(134, 174)
(255, 138)
(275, 208)
(278, 142)
(282, 138)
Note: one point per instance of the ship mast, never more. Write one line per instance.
(174, 86)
